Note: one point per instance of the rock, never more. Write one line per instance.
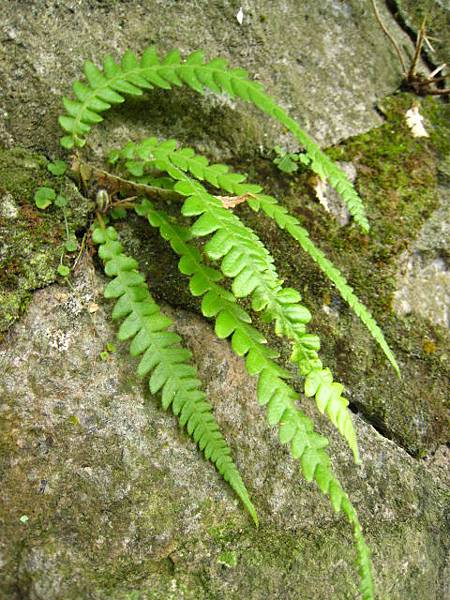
(104, 497)
(305, 53)
(437, 19)
(424, 280)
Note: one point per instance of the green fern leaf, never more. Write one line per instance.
(163, 358)
(202, 170)
(273, 391)
(131, 77)
(245, 259)
(288, 222)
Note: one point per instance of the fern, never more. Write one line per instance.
(220, 177)
(295, 428)
(247, 261)
(242, 257)
(164, 358)
(108, 87)
(288, 222)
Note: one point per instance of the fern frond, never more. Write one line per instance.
(108, 86)
(219, 176)
(164, 358)
(273, 391)
(231, 319)
(288, 222)
(248, 263)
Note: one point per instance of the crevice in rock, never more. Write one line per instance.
(379, 426)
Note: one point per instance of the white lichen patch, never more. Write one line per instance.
(8, 207)
(59, 340)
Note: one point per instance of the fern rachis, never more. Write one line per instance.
(242, 257)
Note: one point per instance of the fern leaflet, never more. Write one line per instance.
(288, 222)
(219, 176)
(295, 428)
(246, 260)
(164, 358)
(108, 86)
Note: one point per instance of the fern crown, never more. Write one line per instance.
(160, 170)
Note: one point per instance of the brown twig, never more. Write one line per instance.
(90, 176)
(439, 92)
(389, 36)
(113, 184)
(417, 82)
(419, 43)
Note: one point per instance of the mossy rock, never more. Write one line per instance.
(32, 239)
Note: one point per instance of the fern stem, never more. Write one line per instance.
(113, 184)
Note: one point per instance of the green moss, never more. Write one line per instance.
(228, 558)
(32, 239)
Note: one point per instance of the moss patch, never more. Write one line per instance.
(32, 239)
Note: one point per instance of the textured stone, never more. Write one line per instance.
(102, 496)
(304, 52)
(424, 280)
(31, 240)
(118, 503)
(437, 18)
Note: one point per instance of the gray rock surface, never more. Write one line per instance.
(304, 52)
(437, 19)
(424, 277)
(101, 495)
